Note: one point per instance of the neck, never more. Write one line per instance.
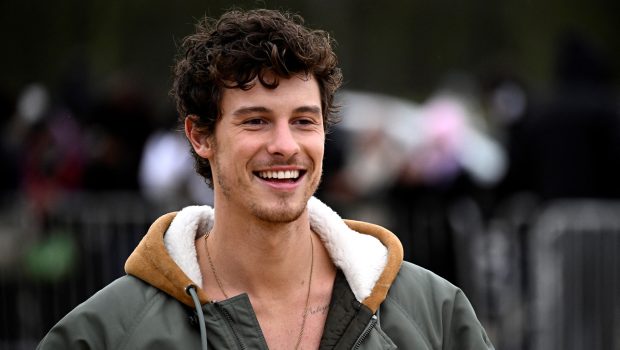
(276, 256)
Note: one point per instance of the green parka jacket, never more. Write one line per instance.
(378, 301)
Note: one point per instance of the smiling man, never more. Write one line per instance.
(267, 149)
(269, 266)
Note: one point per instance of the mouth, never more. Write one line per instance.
(280, 176)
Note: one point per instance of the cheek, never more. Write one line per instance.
(321, 153)
(316, 154)
(244, 154)
(320, 148)
(316, 144)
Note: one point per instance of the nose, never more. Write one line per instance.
(283, 142)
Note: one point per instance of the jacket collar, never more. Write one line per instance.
(368, 255)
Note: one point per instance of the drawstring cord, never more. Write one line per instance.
(191, 290)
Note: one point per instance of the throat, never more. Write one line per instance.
(283, 312)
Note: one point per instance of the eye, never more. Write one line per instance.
(305, 121)
(254, 122)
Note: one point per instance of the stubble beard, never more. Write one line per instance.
(285, 211)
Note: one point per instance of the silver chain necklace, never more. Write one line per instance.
(305, 314)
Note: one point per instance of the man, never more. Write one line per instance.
(271, 266)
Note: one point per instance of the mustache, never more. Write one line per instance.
(294, 162)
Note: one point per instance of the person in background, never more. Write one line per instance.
(269, 265)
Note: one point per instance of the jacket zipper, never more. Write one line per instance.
(229, 321)
(366, 332)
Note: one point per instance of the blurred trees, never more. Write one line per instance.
(398, 47)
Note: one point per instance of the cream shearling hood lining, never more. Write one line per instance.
(361, 257)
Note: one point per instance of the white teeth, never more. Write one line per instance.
(288, 174)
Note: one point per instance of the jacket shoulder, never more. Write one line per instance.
(414, 284)
(105, 320)
(422, 305)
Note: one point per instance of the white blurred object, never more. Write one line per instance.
(375, 156)
(454, 130)
(166, 170)
(430, 143)
(32, 103)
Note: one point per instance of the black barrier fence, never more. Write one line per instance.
(55, 257)
(575, 276)
(540, 276)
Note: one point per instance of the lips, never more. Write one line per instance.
(279, 175)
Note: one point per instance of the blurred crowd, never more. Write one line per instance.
(390, 159)
(74, 140)
(418, 167)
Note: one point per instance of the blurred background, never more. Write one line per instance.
(485, 134)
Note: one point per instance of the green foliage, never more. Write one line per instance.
(53, 258)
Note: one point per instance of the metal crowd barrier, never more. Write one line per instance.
(538, 282)
(543, 276)
(575, 276)
(52, 259)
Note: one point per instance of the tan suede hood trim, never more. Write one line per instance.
(151, 263)
(392, 266)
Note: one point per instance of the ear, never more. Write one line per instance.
(201, 142)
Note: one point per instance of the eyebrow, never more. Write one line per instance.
(308, 109)
(259, 109)
(249, 110)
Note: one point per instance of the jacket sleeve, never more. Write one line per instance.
(464, 331)
(104, 321)
(77, 330)
(425, 311)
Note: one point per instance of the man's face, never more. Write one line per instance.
(268, 149)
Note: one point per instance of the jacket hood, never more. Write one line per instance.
(369, 255)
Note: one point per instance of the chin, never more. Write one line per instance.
(282, 212)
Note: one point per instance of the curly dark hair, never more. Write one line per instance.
(240, 48)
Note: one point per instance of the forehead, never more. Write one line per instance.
(290, 94)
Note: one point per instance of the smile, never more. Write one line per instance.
(281, 175)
